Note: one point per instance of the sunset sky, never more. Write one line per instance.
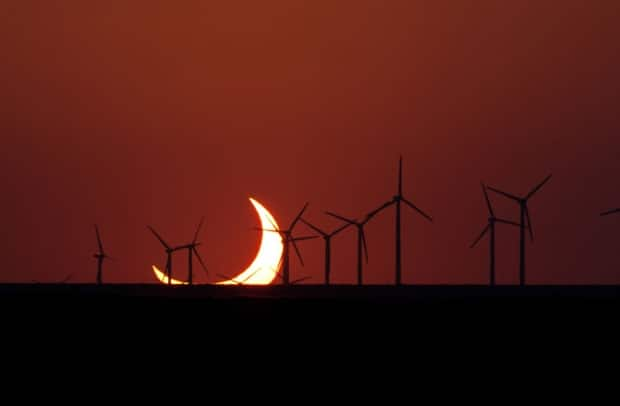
(134, 113)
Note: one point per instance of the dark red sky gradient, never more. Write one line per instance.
(148, 112)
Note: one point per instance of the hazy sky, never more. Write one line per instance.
(128, 113)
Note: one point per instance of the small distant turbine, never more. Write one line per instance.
(490, 228)
(362, 245)
(191, 248)
(525, 216)
(100, 256)
(191, 251)
(169, 252)
(398, 200)
(327, 237)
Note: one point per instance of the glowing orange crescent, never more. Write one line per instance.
(266, 265)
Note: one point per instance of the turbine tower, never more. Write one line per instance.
(490, 228)
(362, 246)
(169, 252)
(288, 241)
(100, 256)
(191, 251)
(524, 216)
(398, 200)
(327, 237)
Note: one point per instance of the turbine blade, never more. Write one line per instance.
(508, 195)
(301, 213)
(313, 237)
(228, 278)
(272, 221)
(251, 275)
(318, 230)
(267, 230)
(482, 234)
(414, 207)
(101, 251)
(301, 260)
(379, 210)
(512, 223)
(486, 197)
(341, 218)
(610, 212)
(339, 230)
(202, 263)
(529, 223)
(537, 188)
(364, 244)
(297, 281)
(202, 220)
(161, 240)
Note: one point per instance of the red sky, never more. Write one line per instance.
(147, 112)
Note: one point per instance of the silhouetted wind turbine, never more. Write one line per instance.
(525, 215)
(288, 240)
(100, 256)
(191, 251)
(327, 237)
(169, 252)
(490, 228)
(398, 200)
(610, 212)
(362, 246)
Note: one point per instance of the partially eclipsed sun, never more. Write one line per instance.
(265, 266)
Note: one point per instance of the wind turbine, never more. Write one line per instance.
(398, 200)
(610, 212)
(362, 246)
(490, 228)
(100, 256)
(191, 251)
(525, 215)
(169, 252)
(288, 240)
(327, 237)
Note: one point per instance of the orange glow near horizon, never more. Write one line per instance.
(265, 266)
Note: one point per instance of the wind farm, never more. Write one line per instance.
(323, 153)
(270, 278)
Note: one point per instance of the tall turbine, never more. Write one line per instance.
(191, 251)
(490, 228)
(362, 246)
(524, 216)
(169, 252)
(327, 238)
(398, 200)
(100, 256)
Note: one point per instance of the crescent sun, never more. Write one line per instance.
(265, 267)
